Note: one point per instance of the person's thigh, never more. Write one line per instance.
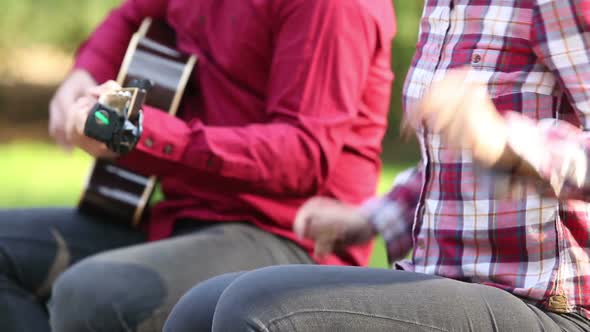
(323, 298)
(36, 245)
(194, 311)
(134, 289)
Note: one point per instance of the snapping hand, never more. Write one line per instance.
(463, 114)
(332, 225)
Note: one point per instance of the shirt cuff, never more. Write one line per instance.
(551, 147)
(393, 220)
(164, 137)
(385, 216)
(161, 146)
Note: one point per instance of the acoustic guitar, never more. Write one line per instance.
(111, 191)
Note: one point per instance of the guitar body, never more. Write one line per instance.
(111, 191)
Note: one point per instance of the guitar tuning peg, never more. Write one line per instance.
(143, 84)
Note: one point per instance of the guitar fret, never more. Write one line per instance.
(118, 194)
(127, 175)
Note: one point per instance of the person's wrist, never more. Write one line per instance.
(508, 161)
(354, 228)
(364, 221)
(492, 149)
(83, 75)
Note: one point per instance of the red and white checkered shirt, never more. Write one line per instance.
(535, 243)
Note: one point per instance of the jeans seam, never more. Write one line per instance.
(294, 313)
(122, 320)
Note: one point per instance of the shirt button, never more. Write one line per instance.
(476, 58)
(168, 149)
(210, 162)
(421, 244)
(149, 142)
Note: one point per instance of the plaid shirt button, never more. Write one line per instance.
(476, 58)
(420, 244)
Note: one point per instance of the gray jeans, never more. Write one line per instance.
(113, 280)
(325, 298)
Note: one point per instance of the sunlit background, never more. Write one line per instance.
(37, 42)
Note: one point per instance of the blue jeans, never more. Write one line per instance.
(327, 298)
(105, 277)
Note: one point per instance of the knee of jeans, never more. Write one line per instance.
(249, 301)
(195, 310)
(187, 316)
(95, 295)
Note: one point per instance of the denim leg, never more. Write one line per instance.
(135, 288)
(36, 246)
(97, 295)
(327, 298)
(202, 299)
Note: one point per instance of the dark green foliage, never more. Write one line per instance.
(408, 14)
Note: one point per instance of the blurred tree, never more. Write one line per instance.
(408, 16)
(62, 23)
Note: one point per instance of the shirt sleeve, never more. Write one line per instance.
(556, 150)
(392, 215)
(102, 53)
(560, 37)
(322, 55)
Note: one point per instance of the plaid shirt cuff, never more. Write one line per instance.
(555, 149)
(392, 215)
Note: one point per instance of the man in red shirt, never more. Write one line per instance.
(291, 103)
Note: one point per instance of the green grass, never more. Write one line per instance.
(39, 174)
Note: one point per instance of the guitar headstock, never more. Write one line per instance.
(126, 101)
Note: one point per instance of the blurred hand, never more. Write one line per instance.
(73, 87)
(464, 116)
(76, 115)
(332, 225)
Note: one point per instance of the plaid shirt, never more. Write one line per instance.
(535, 58)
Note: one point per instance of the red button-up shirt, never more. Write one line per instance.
(291, 102)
